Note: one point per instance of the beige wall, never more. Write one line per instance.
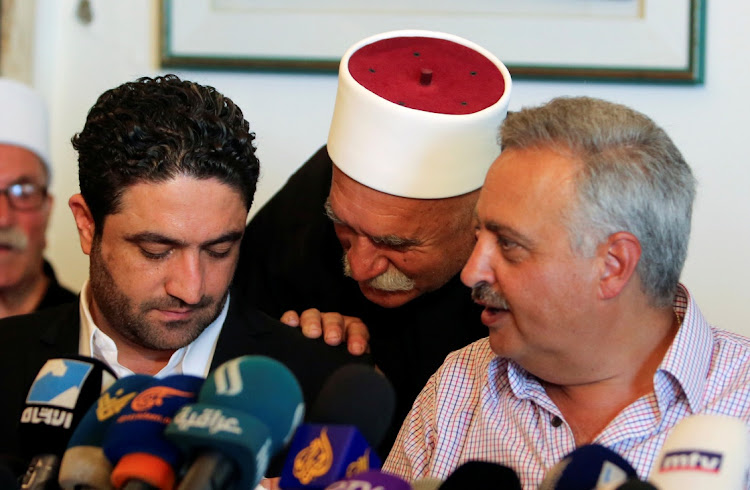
(74, 63)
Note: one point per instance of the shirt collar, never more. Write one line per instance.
(194, 359)
(688, 359)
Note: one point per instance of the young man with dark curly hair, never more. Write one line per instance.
(167, 173)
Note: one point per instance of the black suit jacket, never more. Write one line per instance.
(28, 341)
(290, 259)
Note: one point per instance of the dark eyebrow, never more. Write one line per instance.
(151, 237)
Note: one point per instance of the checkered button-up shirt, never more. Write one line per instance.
(478, 406)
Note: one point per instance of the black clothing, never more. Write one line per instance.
(55, 294)
(28, 341)
(290, 259)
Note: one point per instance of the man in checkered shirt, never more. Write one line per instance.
(582, 232)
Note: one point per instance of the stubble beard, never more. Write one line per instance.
(131, 321)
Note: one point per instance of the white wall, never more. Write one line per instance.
(290, 114)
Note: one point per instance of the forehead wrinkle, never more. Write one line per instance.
(392, 240)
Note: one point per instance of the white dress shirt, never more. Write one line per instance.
(194, 359)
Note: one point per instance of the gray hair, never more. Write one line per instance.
(633, 179)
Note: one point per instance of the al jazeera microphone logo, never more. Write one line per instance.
(150, 398)
(315, 460)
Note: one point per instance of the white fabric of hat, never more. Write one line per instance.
(417, 113)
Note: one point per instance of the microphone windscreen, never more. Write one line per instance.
(371, 480)
(248, 409)
(590, 466)
(427, 483)
(703, 451)
(223, 443)
(636, 485)
(261, 387)
(478, 474)
(356, 395)
(60, 395)
(84, 464)
(8, 479)
(135, 442)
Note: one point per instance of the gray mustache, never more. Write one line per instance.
(13, 238)
(483, 293)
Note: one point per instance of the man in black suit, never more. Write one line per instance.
(167, 173)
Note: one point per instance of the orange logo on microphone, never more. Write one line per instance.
(154, 397)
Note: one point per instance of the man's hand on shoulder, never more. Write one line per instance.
(335, 327)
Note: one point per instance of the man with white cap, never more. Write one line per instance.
(27, 281)
(413, 132)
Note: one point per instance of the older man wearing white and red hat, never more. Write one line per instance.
(392, 195)
(27, 281)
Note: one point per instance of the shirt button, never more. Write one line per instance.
(556, 421)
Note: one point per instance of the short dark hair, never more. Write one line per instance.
(155, 129)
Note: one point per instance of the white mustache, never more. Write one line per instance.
(391, 280)
(13, 238)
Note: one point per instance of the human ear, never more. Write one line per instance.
(84, 221)
(621, 253)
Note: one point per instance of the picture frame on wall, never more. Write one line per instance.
(633, 40)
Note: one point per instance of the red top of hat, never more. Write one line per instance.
(428, 74)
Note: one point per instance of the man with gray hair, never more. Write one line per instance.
(27, 281)
(583, 226)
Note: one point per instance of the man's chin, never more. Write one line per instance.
(388, 299)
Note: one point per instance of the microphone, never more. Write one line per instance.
(247, 410)
(479, 474)
(60, 395)
(84, 463)
(590, 466)
(356, 395)
(135, 442)
(8, 479)
(636, 484)
(427, 483)
(703, 451)
(371, 480)
(355, 400)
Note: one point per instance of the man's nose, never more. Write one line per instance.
(365, 259)
(186, 279)
(479, 266)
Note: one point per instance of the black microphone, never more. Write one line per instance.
(356, 395)
(350, 416)
(635, 484)
(59, 397)
(8, 479)
(589, 466)
(481, 474)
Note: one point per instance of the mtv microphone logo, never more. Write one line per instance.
(691, 460)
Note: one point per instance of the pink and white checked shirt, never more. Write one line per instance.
(478, 406)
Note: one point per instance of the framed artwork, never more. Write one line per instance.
(637, 40)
